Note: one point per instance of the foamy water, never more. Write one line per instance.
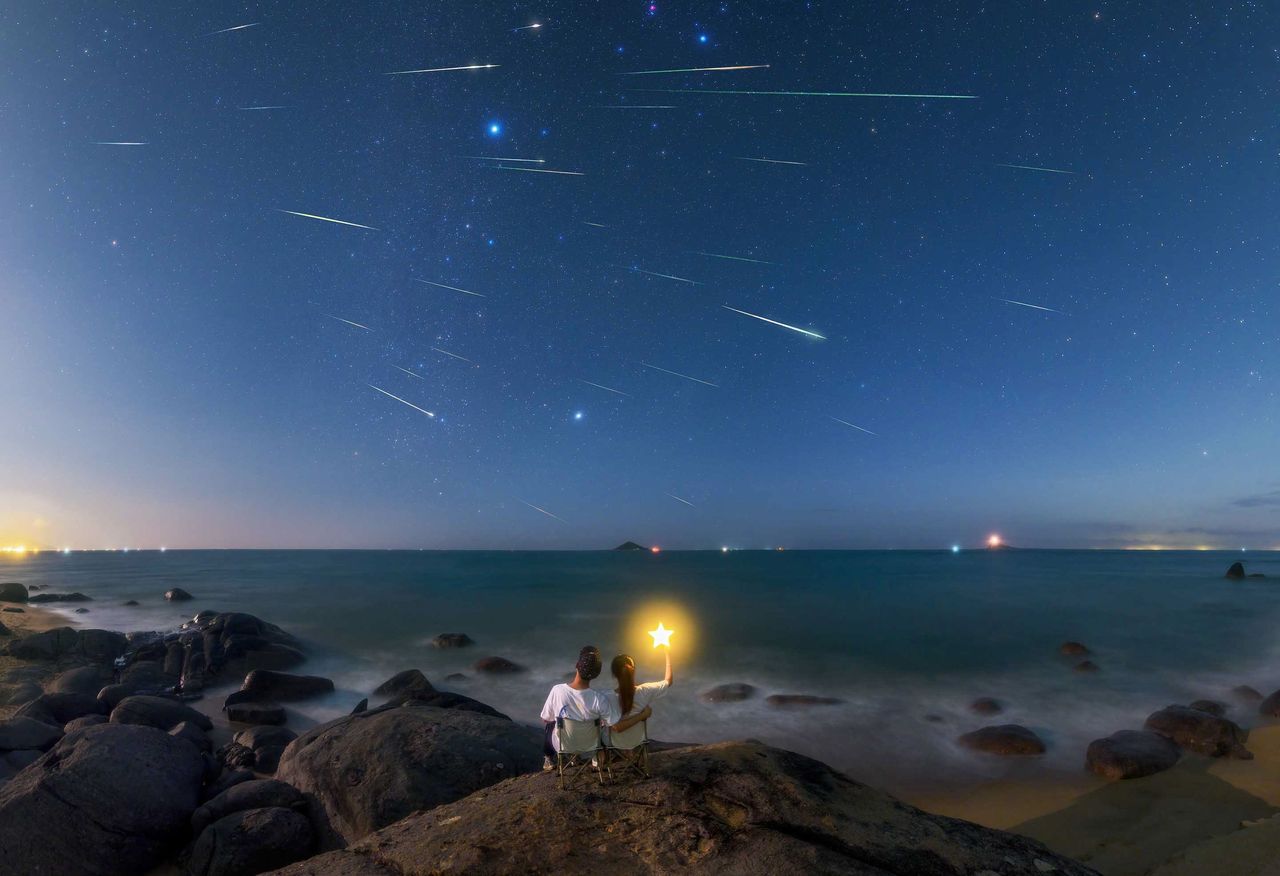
(905, 639)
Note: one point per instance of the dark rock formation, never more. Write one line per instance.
(452, 640)
(59, 708)
(798, 701)
(363, 772)
(1235, 572)
(408, 681)
(448, 700)
(986, 706)
(1131, 754)
(455, 676)
(250, 842)
(27, 733)
(497, 666)
(83, 679)
(267, 743)
(1270, 706)
(14, 609)
(734, 692)
(110, 800)
(1004, 739)
(177, 594)
(193, 734)
(362, 706)
(255, 712)
(158, 712)
(283, 687)
(736, 807)
(630, 546)
(59, 597)
(80, 723)
(253, 794)
(12, 591)
(1246, 693)
(1213, 707)
(1085, 666)
(1200, 732)
(1072, 649)
(229, 779)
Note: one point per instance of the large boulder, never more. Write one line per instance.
(59, 708)
(250, 842)
(283, 687)
(1270, 706)
(1235, 572)
(497, 666)
(363, 772)
(110, 800)
(734, 692)
(18, 693)
(45, 645)
(255, 712)
(158, 712)
(986, 706)
(1200, 732)
(177, 594)
(59, 597)
(735, 807)
(267, 744)
(83, 679)
(253, 794)
(403, 682)
(1004, 739)
(448, 700)
(452, 640)
(27, 733)
(101, 646)
(12, 591)
(1131, 754)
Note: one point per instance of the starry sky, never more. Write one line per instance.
(184, 362)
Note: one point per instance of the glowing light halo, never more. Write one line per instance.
(661, 636)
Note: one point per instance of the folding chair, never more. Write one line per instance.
(579, 750)
(630, 750)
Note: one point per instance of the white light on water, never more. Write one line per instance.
(955, 549)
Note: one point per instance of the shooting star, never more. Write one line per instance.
(537, 170)
(716, 255)
(261, 107)
(526, 27)
(444, 69)
(775, 322)
(494, 158)
(1032, 306)
(118, 143)
(348, 322)
(678, 499)
(453, 355)
(636, 106)
(606, 388)
(697, 70)
(454, 288)
(327, 219)
(664, 276)
(1038, 169)
(811, 93)
(541, 510)
(853, 425)
(237, 27)
(678, 374)
(596, 225)
(402, 401)
(770, 161)
(407, 371)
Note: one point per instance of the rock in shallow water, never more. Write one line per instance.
(1131, 754)
(1072, 649)
(12, 591)
(452, 640)
(158, 712)
(986, 706)
(403, 682)
(497, 666)
(1213, 707)
(736, 807)
(177, 594)
(799, 701)
(1004, 739)
(255, 712)
(1200, 732)
(283, 687)
(735, 692)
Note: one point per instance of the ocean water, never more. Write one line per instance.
(906, 640)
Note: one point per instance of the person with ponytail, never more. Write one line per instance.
(631, 698)
(578, 702)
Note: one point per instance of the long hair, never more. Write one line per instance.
(624, 669)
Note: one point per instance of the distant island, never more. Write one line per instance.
(630, 546)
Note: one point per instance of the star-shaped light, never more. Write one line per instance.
(661, 636)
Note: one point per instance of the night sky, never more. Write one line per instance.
(176, 370)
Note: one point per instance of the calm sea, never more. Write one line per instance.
(906, 640)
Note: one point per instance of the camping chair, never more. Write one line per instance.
(630, 750)
(579, 750)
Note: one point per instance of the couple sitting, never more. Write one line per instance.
(616, 710)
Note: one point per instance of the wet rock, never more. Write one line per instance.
(1270, 706)
(59, 597)
(84, 680)
(1131, 754)
(267, 743)
(1085, 666)
(250, 842)
(229, 779)
(177, 594)
(111, 799)
(1072, 649)
(27, 733)
(715, 809)
(1004, 739)
(59, 708)
(448, 700)
(1200, 732)
(82, 611)
(46, 645)
(235, 755)
(455, 676)
(798, 701)
(283, 687)
(403, 682)
(452, 640)
(13, 609)
(363, 772)
(130, 603)
(19, 693)
(255, 712)
(80, 723)
(14, 762)
(362, 706)
(1246, 693)
(193, 734)
(158, 712)
(12, 591)
(497, 666)
(1213, 707)
(735, 692)
(1235, 572)
(253, 794)
(986, 706)
(101, 646)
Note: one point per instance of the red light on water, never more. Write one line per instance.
(655, 549)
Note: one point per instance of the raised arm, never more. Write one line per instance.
(670, 678)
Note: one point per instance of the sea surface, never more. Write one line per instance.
(906, 640)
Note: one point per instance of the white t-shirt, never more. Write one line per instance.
(645, 695)
(578, 705)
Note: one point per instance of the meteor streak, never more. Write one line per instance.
(811, 93)
(636, 106)
(1039, 169)
(348, 322)
(678, 374)
(678, 499)
(262, 107)
(402, 401)
(541, 510)
(407, 371)
(595, 224)
(237, 27)
(494, 158)
(444, 69)
(454, 288)
(1032, 306)
(853, 425)
(775, 322)
(664, 276)
(606, 388)
(697, 70)
(327, 219)
(526, 27)
(118, 143)
(454, 355)
(716, 255)
(538, 170)
(770, 161)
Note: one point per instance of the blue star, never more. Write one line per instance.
(577, 415)
(702, 38)
(495, 129)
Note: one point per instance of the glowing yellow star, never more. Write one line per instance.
(661, 636)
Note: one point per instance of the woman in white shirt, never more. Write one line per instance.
(631, 697)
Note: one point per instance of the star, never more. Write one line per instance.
(661, 636)
(495, 129)
(577, 415)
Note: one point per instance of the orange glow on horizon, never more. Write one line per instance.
(655, 549)
(993, 540)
